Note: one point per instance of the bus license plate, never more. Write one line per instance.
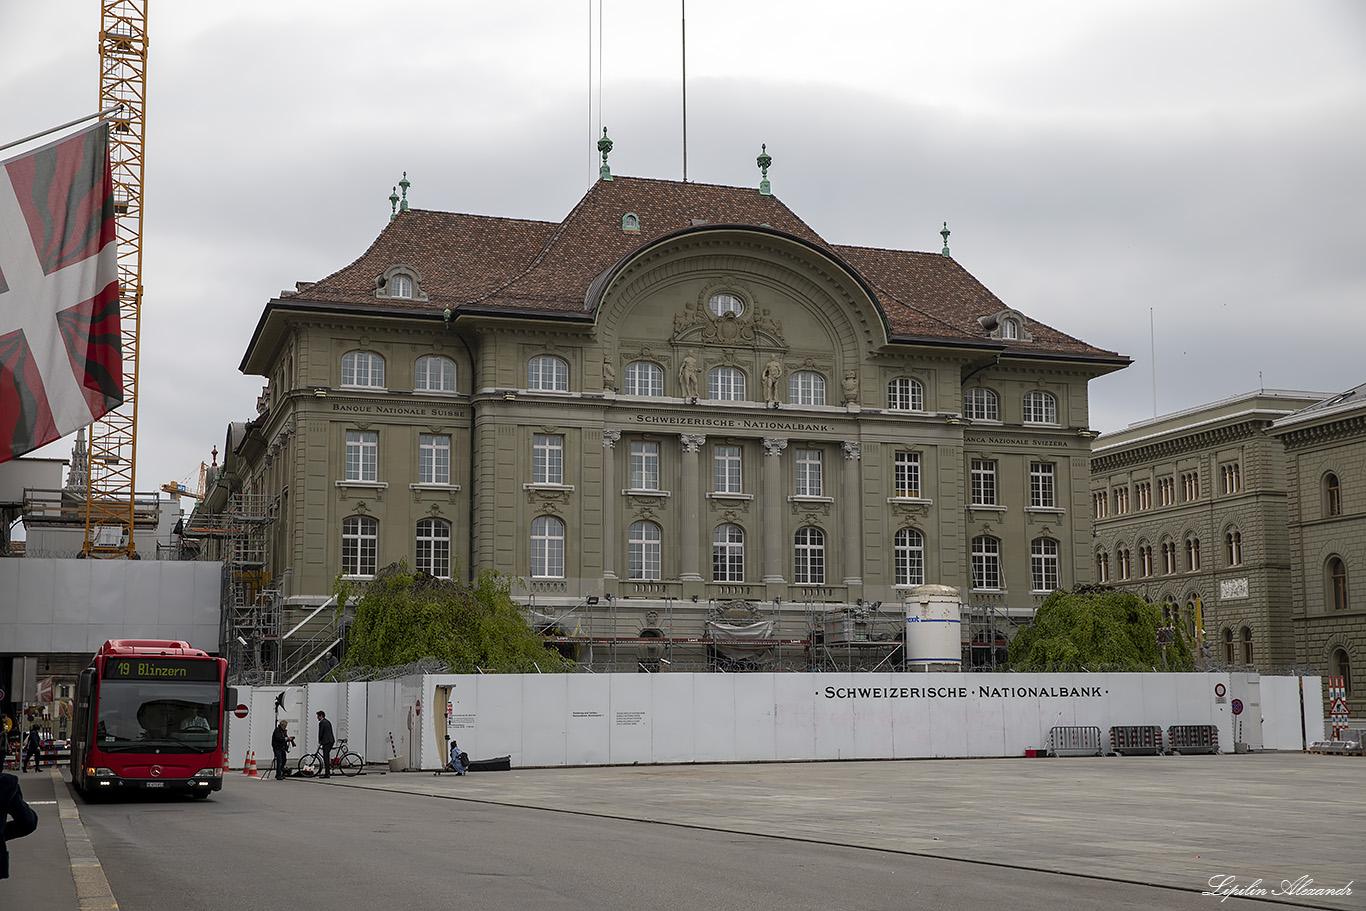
(156, 784)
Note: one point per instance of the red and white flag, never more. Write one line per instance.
(61, 357)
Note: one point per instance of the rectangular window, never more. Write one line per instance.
(360, 545)
(362, 455)
(644, 466)
(726, 469)
(1166, 491)
(1044, 564)
(1143, 492)
(906, 474)
(1041, 489)
(809, 473)
(547, 458)
(983, 482)
(986, 564)
(1121, 495)
(1190, 486)
(433, 459)
(1232, 476)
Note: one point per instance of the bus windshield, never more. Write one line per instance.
(144, 715)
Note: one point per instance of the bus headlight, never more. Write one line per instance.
(209, 773)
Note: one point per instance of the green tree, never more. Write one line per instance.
(1097, 628)
(402, 617)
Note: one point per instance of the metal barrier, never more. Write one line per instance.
(1136, 740)
(1067, 740)
(1193, 738)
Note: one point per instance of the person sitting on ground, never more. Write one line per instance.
(457, 760)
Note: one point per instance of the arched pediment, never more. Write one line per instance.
(777, 293)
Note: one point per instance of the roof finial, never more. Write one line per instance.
(393, 204)
(403, 206)
(604, 146)
(763, 161)
(945, 234)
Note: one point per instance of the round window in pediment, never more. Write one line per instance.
(722, 304)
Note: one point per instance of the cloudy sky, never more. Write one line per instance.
(1104, 167)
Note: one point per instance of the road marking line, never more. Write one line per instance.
(92, 886)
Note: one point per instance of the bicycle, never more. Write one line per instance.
(347, 762)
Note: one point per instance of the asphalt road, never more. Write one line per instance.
(309, 846)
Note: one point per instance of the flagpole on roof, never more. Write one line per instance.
(19, 142)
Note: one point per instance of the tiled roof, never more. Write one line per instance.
(473, 262)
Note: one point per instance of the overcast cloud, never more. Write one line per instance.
(1096, 162)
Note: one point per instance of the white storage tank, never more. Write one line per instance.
(934, 622)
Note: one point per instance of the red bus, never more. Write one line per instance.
(149, 714)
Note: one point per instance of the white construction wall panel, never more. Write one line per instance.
(714, 723)
(589, 724)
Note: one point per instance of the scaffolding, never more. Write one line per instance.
(987, 634)
(862, 637)
(240, 536)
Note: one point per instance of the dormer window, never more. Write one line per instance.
(630, 222)
(1007, 325)
(399, 282)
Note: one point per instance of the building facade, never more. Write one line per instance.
(1191, 511)
(1325, 447)
(678, 398)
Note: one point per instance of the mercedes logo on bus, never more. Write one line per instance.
(156, 771)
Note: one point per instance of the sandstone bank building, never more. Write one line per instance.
(679, 398)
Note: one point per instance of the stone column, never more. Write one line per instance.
(853, 515)
(609, 502)
(689, 505)
(774, 529)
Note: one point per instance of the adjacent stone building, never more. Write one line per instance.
(679, 398)
(1325, 446)
(1191, 512)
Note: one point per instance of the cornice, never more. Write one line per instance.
(1336, 431)
(1179, 444)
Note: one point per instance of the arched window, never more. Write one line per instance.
(1010, 329)
(1234, 547)
(726, 384)
(434, 373)
(906, 394)
(728, 554)
(1337, 582)
(1102, 567)
(630, 222)
(360, 545)
(1342, 667)
(1247, 646)
(908, 550)
(644, 378)
(546, 373)
(401, 286)
(809, 556)
(434, 548)
(981, 405)
(721, 304)
(1040, 408)
(806, 388)
(1043, 564)
(986, 563)
(1332, 495)
(1192, 554)
(643, 551)
(547, 548)
(1229, 657)
(362, 368)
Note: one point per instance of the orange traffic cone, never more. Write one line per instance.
(246, 761)
(225, 764)
(251, 765)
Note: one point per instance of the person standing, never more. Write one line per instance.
(33, 746)
(17, 817)
(325, 742)
(280, 742)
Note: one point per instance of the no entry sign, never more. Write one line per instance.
(240, 711)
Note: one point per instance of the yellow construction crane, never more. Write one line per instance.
(113, 438)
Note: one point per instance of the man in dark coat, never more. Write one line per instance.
(18, 817)
(33, 746)
(280, 742)
(325, 741)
